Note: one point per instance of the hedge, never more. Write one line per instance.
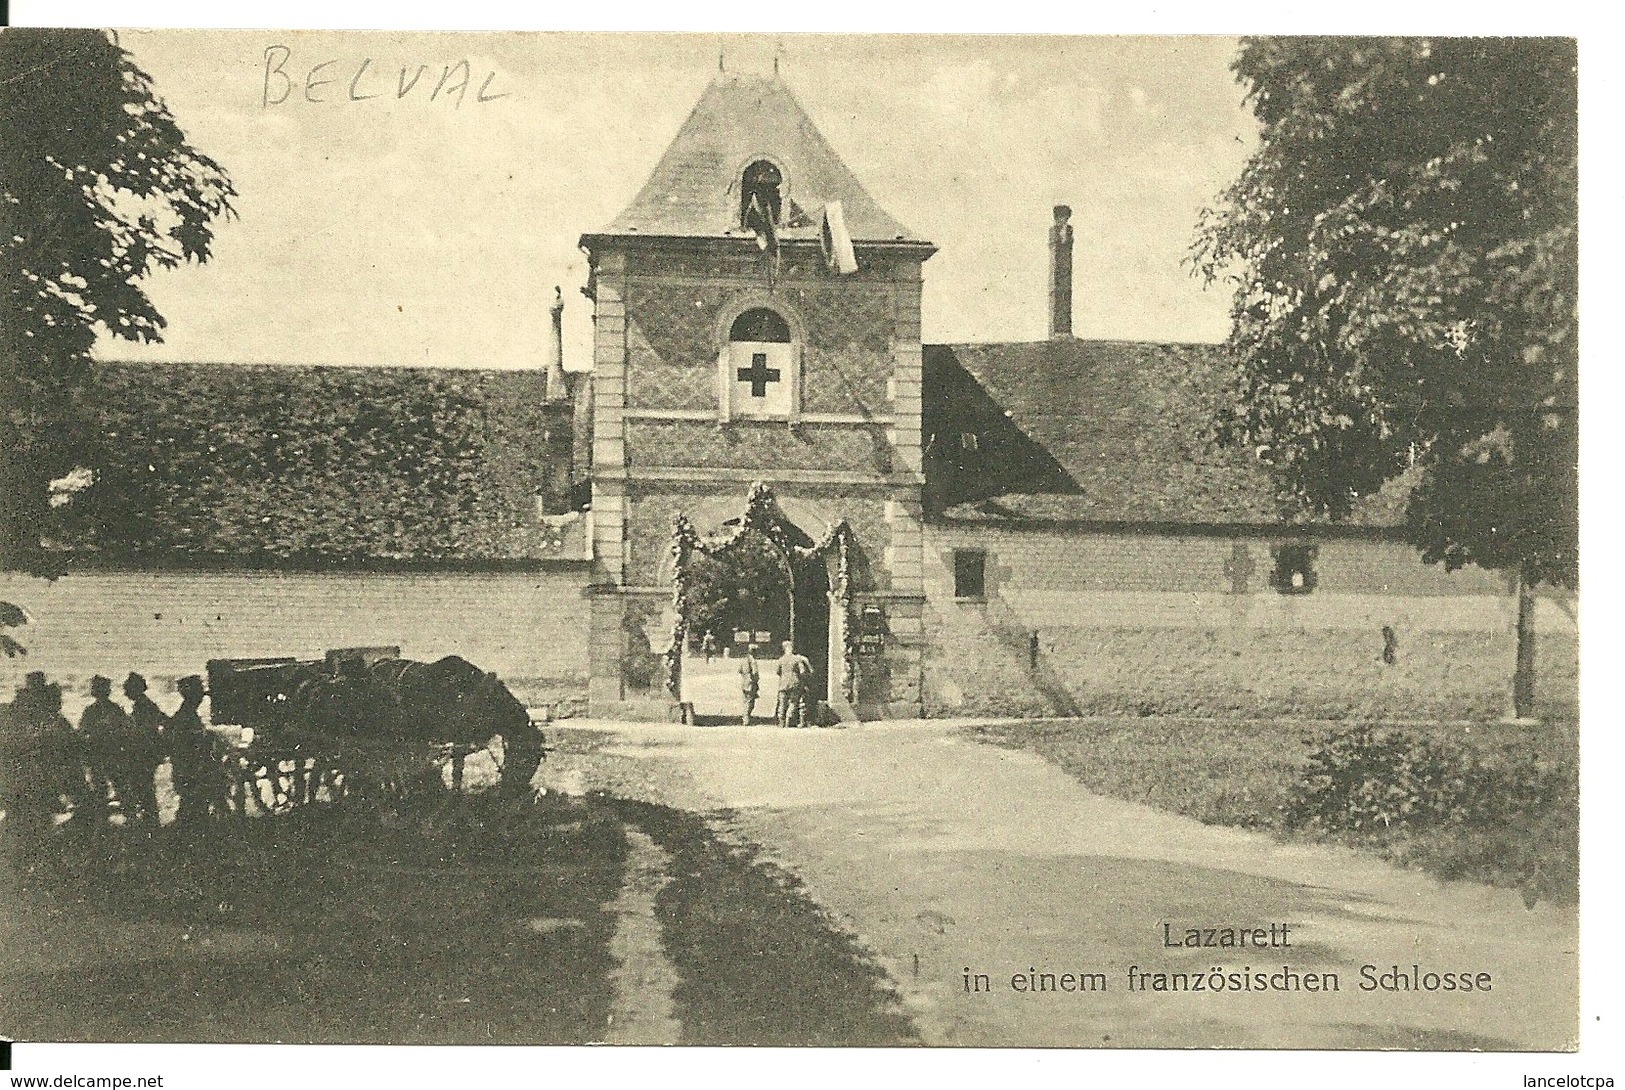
(271, 462)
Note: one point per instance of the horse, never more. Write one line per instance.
(402, 707)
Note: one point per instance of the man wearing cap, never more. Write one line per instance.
(750, 684)
(61, 753)
(140, 754)
(102, 730)
(57, 758)
(795, 673)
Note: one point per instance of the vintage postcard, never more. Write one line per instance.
(795, 540)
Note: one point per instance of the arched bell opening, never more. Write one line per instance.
(761, 193)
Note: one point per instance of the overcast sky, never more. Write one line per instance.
(430, 227)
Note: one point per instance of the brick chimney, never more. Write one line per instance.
(1060, 274)
(558, 383)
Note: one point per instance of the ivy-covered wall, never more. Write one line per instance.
(318, 463)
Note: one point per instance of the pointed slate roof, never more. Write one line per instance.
(694, 190)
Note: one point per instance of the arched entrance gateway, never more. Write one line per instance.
(741, 592)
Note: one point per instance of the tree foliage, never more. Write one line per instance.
(745, 586)
(98, 187)
(1403, 244)
(11, 616)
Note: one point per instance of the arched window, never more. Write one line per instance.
(759, 367)
(763, 184)
(760, 324)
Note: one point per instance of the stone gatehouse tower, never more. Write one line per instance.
(736, 343)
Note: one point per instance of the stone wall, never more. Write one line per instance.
(1131, 623)
(529, 627)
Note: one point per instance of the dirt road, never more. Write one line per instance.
(966, 868)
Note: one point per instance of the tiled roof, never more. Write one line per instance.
(694, 190)
(263, 463)
(1093, 431)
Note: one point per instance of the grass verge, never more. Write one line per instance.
(482, 925)
(1243, 774)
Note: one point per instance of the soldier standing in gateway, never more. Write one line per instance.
(750, 684)
(794, 674)
(141, 754)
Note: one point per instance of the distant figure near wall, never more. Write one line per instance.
(39, 759)
(103, 726)
(140, 754)
(199, 774)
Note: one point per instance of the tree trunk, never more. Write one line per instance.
(1523, 673)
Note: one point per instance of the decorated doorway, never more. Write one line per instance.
(741, 593)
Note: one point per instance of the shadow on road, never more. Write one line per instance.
(480, 921)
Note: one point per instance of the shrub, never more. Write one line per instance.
(1365, 780)
(1497, 804)
(1508, 814)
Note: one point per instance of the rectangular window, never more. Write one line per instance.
(970, 573)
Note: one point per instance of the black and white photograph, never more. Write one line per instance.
(803, 540)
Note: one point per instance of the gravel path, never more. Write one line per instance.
(951, 860)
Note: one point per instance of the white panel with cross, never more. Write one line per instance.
(760, 379)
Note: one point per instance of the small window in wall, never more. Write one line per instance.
(970, 573)
(1294, 567)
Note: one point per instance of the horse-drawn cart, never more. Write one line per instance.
(363, 722)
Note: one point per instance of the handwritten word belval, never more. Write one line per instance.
(1272, 936)
(361, 81)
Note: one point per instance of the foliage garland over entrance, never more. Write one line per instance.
(762, 514)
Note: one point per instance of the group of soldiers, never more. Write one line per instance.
(795, 676)
(112, 757)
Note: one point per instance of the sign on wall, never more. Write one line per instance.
(760, 379)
